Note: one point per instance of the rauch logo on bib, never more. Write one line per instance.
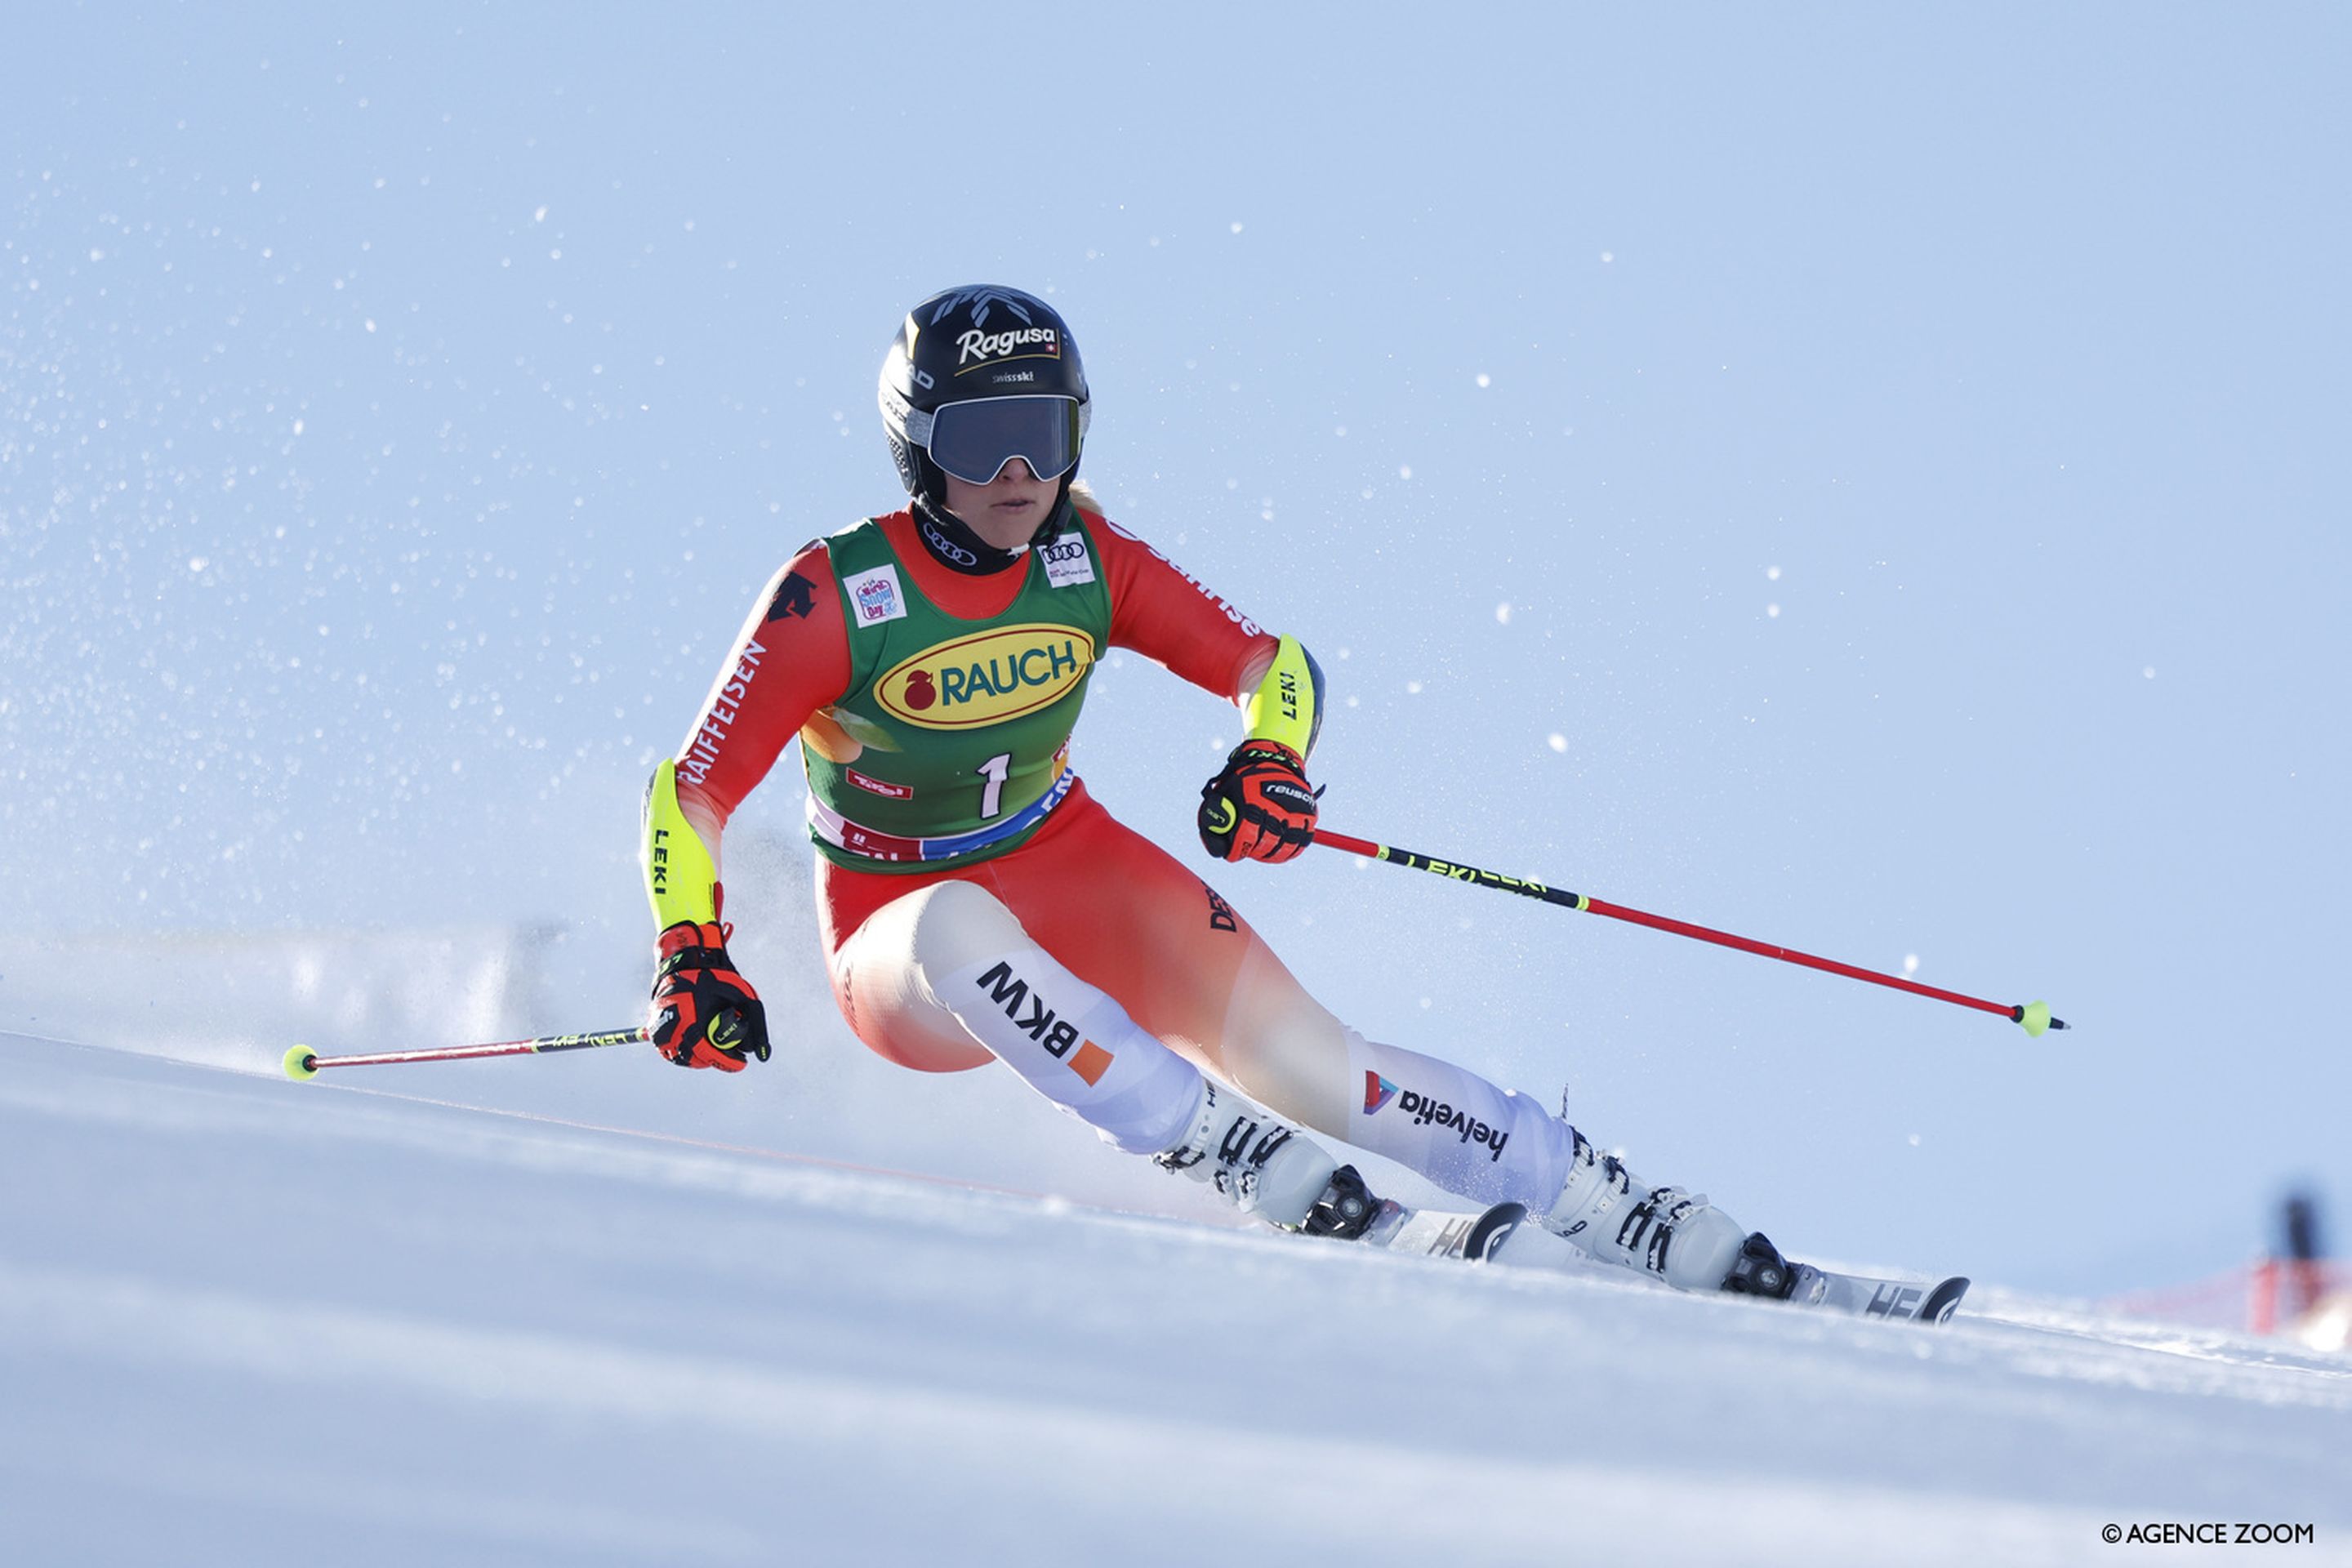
(986, 679)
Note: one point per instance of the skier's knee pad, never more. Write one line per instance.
(880, 983)
(957, 957)
(950, 926)
(1283, 1048)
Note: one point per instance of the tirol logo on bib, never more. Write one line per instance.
(987, 677)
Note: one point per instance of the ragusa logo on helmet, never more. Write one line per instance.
(976, 344)
(986, 679)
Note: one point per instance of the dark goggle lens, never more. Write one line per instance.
(974, 440)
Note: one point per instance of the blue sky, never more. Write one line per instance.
(1898, 457)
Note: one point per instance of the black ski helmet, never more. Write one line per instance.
(983, 344)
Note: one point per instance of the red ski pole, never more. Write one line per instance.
(2033, 1016)
(303, 1062)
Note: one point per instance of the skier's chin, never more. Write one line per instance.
(1008, 524)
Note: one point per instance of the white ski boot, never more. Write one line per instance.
(1262, 1164)
(1613, 1215)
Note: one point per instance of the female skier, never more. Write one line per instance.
(976, 904)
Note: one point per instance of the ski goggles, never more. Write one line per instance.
(974, 440)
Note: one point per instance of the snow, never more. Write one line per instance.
(340, 1321)
(365, 542)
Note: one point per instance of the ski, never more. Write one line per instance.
(1438, 1233)
(1760, 1270)
(1481, 1235)
(1898, 1300)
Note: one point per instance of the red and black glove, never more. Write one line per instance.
(1260, 807)
(704, 1014)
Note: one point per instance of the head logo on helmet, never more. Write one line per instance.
(963, 344)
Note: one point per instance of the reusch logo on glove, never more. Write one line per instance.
(1282, 792)
(986, 679)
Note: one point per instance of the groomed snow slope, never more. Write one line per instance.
(247, 1320)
